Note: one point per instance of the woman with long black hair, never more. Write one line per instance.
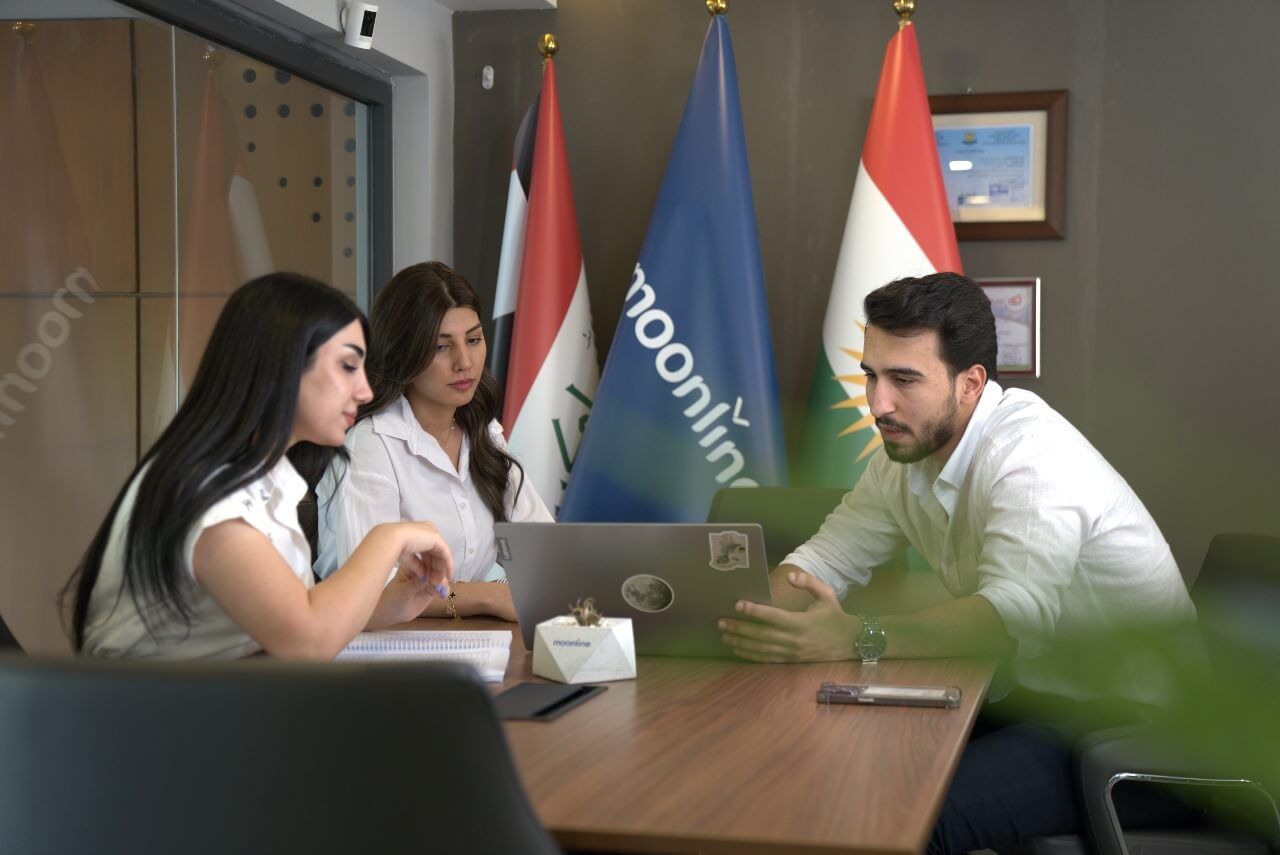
(201, 554)
(429, 446)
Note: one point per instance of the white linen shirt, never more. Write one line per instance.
(398, 471)
(1025, 513)
(115, 626)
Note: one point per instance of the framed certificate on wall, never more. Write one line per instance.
(1015, 301)
(1003, 159)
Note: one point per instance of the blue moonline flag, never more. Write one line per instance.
(688, 403)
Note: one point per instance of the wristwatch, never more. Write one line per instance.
(871, 642)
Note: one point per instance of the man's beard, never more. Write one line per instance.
(937, 433)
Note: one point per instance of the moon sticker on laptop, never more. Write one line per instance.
(647, 593)
(729, 550)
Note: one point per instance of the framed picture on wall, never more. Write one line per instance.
(1004, 162)
(1015, 301)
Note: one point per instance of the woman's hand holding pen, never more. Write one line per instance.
(425, 572)
(424, 556)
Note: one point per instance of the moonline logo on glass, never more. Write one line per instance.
(35, 361)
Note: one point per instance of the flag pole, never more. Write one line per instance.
(24, 29)
(717, 7)
(905, 9)
(551, 367)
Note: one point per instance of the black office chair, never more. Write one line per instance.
(1237, 598)
(255, 757)
(309, 522)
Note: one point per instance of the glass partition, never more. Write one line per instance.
(145, 174)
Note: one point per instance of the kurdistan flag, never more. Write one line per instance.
(899, 225)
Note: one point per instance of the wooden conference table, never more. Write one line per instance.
(727, 757)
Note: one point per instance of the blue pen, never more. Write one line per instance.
(441, 590)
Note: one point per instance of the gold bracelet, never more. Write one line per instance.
(449, 608)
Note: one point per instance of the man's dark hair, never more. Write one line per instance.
(953, 305)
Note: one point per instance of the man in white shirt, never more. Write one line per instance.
(1029, 529)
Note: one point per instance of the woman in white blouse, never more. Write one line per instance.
(201, 555)
(428, 445)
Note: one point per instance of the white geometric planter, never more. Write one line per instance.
(568, 653)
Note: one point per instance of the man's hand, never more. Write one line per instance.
(820, 633)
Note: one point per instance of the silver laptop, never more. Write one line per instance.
(672, 579)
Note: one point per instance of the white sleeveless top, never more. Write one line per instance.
(115, 626)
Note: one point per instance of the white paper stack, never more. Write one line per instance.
(486, 651)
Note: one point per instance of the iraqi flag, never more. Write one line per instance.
(688, 403)
(899, 225)
(552, 370)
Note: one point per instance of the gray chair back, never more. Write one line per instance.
(788, 515)
(7, 641)
(255, 757)
(1237, 598)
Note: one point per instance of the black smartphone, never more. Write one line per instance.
(541, 701)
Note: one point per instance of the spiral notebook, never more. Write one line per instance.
(487, 651)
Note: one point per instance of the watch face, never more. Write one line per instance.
(871, 642)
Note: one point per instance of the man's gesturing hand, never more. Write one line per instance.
(821, 633)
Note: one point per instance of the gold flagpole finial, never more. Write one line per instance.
(905, 9)
(25, 29)
(213, 57)
(717, 7)
(548, 46)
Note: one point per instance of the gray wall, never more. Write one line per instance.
(1159, 307)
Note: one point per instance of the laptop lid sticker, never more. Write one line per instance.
(729, 550)
(646, 593)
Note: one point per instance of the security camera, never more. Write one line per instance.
(357, 23)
